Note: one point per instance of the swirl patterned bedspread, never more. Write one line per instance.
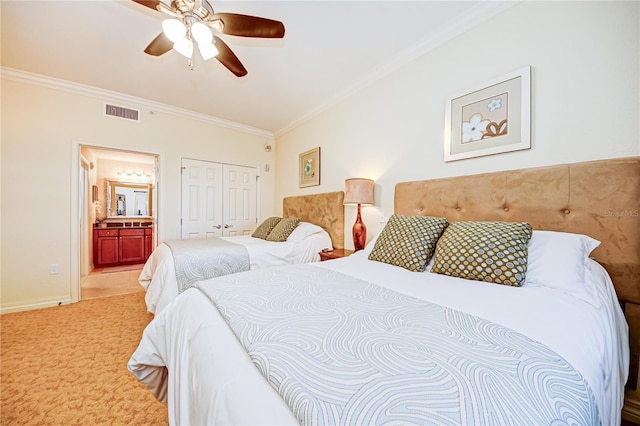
(339, 350)
(200, 259)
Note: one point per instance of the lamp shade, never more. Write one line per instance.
(359, 191)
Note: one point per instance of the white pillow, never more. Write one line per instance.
(558, 260)
(302, 231)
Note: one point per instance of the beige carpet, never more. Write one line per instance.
(68, 365)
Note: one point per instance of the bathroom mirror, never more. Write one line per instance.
(128, 199)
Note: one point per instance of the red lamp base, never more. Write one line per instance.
(359, 233)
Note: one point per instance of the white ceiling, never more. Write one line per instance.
(330, 49)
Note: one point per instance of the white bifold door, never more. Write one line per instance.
(218, 199)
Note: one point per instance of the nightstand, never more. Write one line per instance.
(334, 254)
(631, 409)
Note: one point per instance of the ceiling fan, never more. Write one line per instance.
(192, 20)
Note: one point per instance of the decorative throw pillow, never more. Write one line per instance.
(494, 252)
(282, 230)
(408, 241)
(266, 227)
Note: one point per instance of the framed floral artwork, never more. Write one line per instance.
(492, 118)
(310, 168)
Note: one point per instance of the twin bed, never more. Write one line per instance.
(362, 341)
(321, 227)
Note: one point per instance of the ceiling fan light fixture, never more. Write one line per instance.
(184, 47)
(207, 50)
(201, 33)
(195, 21)
(174, 29)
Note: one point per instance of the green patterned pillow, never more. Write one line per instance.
(266, 227)
(408, 241)
(282, 230)
(494, 252)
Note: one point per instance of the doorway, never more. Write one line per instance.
(100, 168)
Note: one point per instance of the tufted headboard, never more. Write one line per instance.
(325, 210)
(597, 198)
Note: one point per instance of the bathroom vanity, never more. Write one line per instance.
(125, 236)
(122, 243)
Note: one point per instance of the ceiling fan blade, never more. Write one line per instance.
(151, 4)
(228, 58)
(159, 46)
(249, 26)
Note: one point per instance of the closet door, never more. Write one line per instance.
(217, 199)
(239, 200)
(201, 199)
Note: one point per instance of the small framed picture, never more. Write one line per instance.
(310, 168)
(94, 193)
(492, 118)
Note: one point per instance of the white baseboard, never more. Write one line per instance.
(37, 305)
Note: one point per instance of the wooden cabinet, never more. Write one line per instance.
(105, 246)
(131, 247)
(631, 409)
(121, 246)
(148, 242)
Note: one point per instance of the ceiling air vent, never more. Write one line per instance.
(122, 112)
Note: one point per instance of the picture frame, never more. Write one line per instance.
(309, 168)
(491, 118)
(94, 193)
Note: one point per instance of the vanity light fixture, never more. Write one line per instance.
(133, 176)
(359, 191)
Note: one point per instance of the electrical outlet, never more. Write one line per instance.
(53, 269)
(381, 218)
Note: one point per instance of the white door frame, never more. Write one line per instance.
(76, 208)
(83, 214)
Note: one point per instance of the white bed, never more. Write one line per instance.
(158, 276)
(192, 355)
(212, 380)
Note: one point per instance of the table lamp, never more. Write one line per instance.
(359, 191)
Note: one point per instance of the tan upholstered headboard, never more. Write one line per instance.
(597, 198)
(325, 210)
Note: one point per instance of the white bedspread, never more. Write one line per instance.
(158, 276)
(212, 380)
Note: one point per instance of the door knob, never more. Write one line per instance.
(217, 226)
(228, 226)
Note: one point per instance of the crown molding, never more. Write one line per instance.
(107, 95)
(462, 24)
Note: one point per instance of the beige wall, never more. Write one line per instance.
(585, 77)
(42, 130)
(585, 81)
